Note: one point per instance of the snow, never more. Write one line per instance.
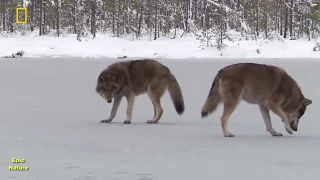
(26, 3)
(186, 47)
(220, 5)
(50, 117)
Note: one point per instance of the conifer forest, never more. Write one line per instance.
(292, 19)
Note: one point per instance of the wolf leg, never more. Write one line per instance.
(155, 91)
(114, 110)
(231, 95)
(267, 121)
(130, 102)
(228, 109)
(154, 106)
(275, 108)
(158, 110)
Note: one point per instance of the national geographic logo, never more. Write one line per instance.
(21, 15)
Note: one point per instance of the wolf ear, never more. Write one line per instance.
(113, 78)
(306, 102)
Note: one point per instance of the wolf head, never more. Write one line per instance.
(298, 112)
(108, 86)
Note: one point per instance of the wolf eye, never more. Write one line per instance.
(301, 111)
(100, 79)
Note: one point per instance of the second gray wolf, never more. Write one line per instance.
(132, 78)
(270, 87)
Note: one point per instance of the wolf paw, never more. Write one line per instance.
(127, 122)
(151, 122)
(290, 131)
(229, 134)
(276, 134)
(106, 120)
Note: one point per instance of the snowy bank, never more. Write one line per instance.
(181, 48)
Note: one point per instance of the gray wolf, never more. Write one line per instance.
(270, 87)
(132, 78)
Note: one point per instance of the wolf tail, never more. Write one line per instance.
(213, 98)
(176, 94)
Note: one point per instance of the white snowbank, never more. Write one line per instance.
(180, 48)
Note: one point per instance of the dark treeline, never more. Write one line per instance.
(158, 18)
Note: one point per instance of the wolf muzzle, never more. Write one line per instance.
(293, 127)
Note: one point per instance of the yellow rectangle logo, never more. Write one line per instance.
(25, 15)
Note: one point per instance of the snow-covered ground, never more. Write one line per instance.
(50, 117)
(180, 48)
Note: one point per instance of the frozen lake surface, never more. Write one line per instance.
(50, 117)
